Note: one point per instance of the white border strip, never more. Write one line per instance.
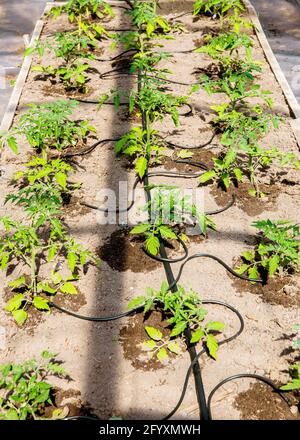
(21, 80)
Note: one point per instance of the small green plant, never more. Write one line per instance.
(25, 392)
(183, 309)
(294, 369)
(277, 252)
(218, 8)
(83, 10)
(48, 126)
(41, 170)
(144, 16)
(168, 212)
(227, 44)
(73, 76)
(142, 146)
(44, 239)
(67, 46)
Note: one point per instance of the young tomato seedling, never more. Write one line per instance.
(169, 212)
(183, 309)
(48, 126)
(278, 251)
(25, 392)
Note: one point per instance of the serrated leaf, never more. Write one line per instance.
(135, 302)
(141, 166)
(20, 316)
(167, 232)
(253, 272)
(197, 336)
(184, 154)
(18, 282)
(248, 255)
(178, 329)
(69, 288)
(72, 259)
(273, 264)
(162, 355)
(61, 179)
(212, 345)
(40, 303)
(152, 244)
(293, 385)
(214, 326)
(148, 345)
(56, 277)
(153, 333)
(15, 302)
(173, 347)
(139, 229)
(207, 176)
(12, 143)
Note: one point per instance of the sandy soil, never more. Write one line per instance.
(106, 377)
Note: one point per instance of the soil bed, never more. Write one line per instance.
(103, 358)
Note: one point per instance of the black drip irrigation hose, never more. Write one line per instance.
(243, 376)
(221, 262)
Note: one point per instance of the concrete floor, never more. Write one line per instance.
(280, 19)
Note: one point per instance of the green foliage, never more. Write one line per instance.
(168, 212)
(218, 8)
(40, 170)
(144, 147)
(144, 16)
(183, 308)
(226, 44)
(44, 240)
(82, 10)
(48, 126)
(278, 250)
(25, 392)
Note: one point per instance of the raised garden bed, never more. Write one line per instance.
(104, 359)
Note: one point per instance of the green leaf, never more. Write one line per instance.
(197, 335)
(72, 259)
(214, 326)
(184, 154)
(56, 277)
(154, 334)
(135, 302)
(148, 345)
(273, 264)
(178, 329)
(253, 272)
(68, 288)
(212, 345)
(173, 347)
(141, 166)
(162, 355)
(152, 244)
(238, 174)
(207, 176)
(61, 179)
(12, 143)
(20, 316)
(18, 282)
(40, 303)
(15, 302)
(166, 232)
(248, 255)
(139, 229)
(293, 385)
(11, 414)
